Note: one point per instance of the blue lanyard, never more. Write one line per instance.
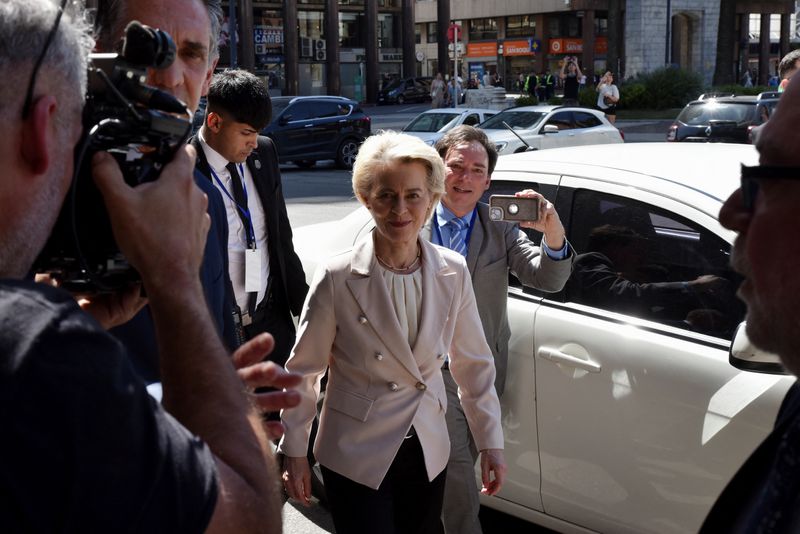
(469, 230)
(251, 234)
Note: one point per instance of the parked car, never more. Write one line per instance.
(549, 127)
(432, 124)
(719, 119)
(307, 129)
(621, 413)
(400, 91)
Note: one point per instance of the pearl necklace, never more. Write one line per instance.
(401, 270)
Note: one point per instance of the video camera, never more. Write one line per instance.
(142, 127)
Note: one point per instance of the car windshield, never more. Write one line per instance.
(278, 105)
(432, 122)
(523, 120)
(703, 112)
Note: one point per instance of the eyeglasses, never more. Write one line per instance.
(26, 107)
(752, 176)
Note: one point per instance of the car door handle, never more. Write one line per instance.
(573, 361)
(308, 126)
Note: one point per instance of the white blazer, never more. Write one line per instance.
(378, 386)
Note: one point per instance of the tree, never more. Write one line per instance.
(726, 43)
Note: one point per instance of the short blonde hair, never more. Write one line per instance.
(387, 148)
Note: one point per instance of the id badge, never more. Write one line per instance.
(252, 270)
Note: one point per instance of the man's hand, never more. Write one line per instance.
(256, 373)
(160, 226)
(492, 463)
(114, 309)
(549, 223)
(297, 479)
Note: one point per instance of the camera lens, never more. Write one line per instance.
(513, 209)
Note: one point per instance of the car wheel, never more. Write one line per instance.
(305, 163)
(401, 99)
(346, 154)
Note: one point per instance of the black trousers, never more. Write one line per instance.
(272, 315)
(405, 503)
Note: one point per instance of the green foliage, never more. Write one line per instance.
(587, 97)
(526, 100)
(662, 88)
(634, 96)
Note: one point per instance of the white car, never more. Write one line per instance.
(621, 411)
(432, 124)
(549, 127)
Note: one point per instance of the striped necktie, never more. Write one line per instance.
(457, 242)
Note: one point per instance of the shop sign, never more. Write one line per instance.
(565, 46)
(482, 49)
(269, 36)
(391, 57)
(601, 46)
(517, 48)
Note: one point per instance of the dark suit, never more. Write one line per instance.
(287, 283)
(764, 495)
(138, 334)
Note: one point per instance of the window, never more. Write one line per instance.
(641, 260)
(311, 24)
(563, 120)
(417, 33)
(600, 26)
(388, 30)
(431, 33)
(351, 34)
(472, 119)
(522, 26)
(585, 120)
(482, 29)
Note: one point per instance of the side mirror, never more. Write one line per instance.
(284, 120)
(743, 355)
(549, 129)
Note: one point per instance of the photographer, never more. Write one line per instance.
(570, 76)
(608, 96)
(86, 448)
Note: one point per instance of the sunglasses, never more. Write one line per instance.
(752, 176)
(26, 107)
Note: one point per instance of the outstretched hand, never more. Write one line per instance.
(548, 223)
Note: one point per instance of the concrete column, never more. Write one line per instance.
(409, 47)
(247, 49)
(763, 51)
(333, 73)
(371, 49)
(587, 60)
(785, 29)
(442, 23)
(291, 44)
(744, 46)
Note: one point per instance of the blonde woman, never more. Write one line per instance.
(382, 319)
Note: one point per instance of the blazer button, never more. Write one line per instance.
(378, 356)
(422, 387)
(362, 319)
(393, 386)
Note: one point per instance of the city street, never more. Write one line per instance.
(324, 193)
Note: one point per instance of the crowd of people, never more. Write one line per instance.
(409, 325)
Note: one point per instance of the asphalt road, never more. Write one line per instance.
(324, 193)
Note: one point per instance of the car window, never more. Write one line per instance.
(561, 119)
(585, 120)
(472, 119)
(431, 122)
(343, 109)
(515, 119)
(641, 260)
(327, 109)
(702, 113)
(300, 111)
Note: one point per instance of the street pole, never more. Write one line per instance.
(668, 34)
(455, 67)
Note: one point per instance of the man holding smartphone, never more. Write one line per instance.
(492, 249)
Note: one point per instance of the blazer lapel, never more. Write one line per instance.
(370, 292)
(475, 241)
(438, 289)
(202, 163)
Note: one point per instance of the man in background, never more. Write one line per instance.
(461, 222)
(82, 437)
(268, 279)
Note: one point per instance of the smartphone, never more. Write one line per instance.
(511, 208)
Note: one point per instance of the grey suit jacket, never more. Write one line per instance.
(496, 247)
(379, 386)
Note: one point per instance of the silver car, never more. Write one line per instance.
(540, 127)
(431, 125)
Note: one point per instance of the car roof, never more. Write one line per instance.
(459, 111)
(745, 99)
(710, 168)
(290, 99)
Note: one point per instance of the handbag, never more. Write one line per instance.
(607, 100)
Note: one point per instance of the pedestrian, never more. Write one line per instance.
(382, 319)
(438, 91)
(789, 65)
(492, 250)
(267, 277)
(541, 87)
(570, 76)
(454, 92)
(608, 96)
(764, 495)
(521, 83)
(550, 85)
(747, 80)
